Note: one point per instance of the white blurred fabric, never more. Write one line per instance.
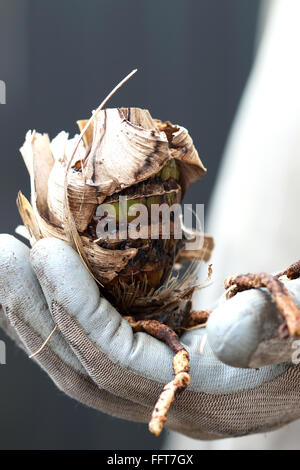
(254, 215)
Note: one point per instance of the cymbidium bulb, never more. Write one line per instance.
(124, 154)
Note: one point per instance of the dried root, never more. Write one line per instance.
(196, 317)
(180, 364)
(292, 272)
(167, 396)
(278, 291)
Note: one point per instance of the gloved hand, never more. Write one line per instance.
(96, 359)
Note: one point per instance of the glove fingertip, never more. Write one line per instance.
(11, 246)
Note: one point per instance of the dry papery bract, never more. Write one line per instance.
(124, 152)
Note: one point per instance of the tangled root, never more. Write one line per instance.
(196, 317)
(181, 368)
(277, 289)
(180, 382)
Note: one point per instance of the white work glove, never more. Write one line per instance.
(95, 357)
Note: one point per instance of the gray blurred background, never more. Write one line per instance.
(59, 58)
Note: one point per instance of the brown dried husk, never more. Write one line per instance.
(122, 148)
